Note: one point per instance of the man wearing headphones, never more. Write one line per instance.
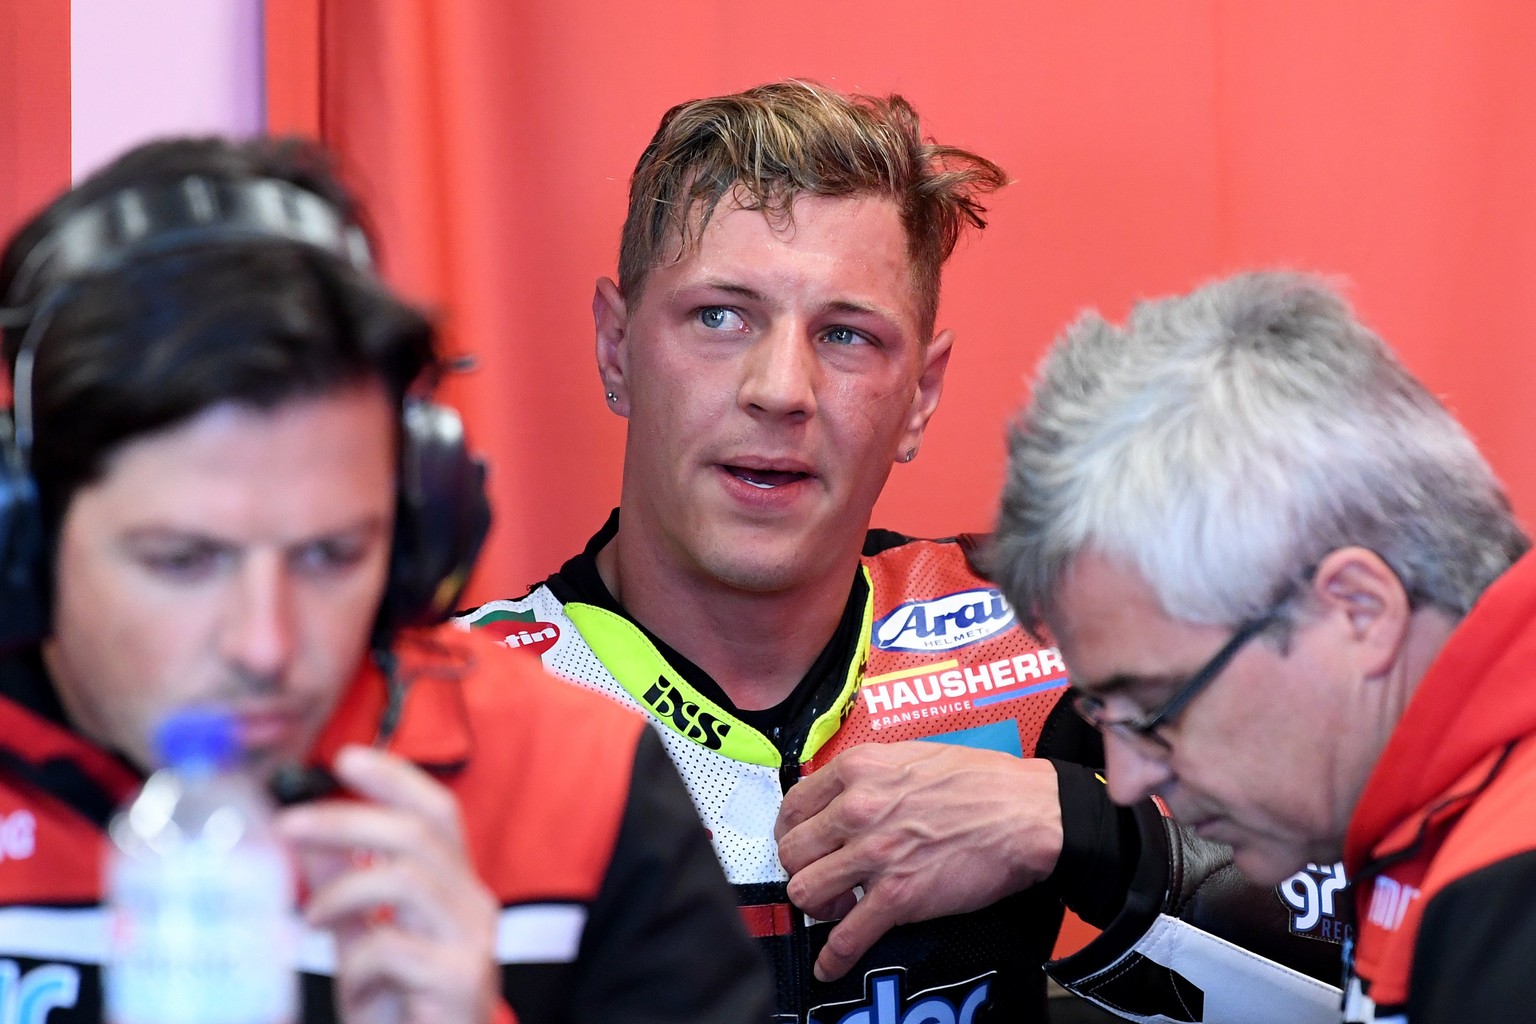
(222, 484)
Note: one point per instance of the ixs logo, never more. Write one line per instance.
(944, 623)
(950, 1004)
(27, 997)
(520, 630)
(685, 715)
(1310, 894)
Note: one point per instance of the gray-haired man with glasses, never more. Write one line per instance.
(1291, 594)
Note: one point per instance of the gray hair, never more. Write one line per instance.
(1224, 442)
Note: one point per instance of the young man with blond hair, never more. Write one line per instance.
(771, 340)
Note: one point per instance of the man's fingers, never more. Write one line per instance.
(807, 798)
(391, 781)
(852, 812)
(395, 890)
(852, 936)
(806, 844)
(839, 908)
(388, 975)
(856, 783)
(816, 886)
(344, 825)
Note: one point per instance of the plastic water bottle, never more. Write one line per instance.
(200, 890)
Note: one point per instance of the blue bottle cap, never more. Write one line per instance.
(197, 737)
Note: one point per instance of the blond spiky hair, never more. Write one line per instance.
(768, 145)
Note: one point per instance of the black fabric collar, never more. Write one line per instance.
(786, 722)
(24, 680)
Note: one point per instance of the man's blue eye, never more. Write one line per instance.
(719, 318)
(325, 556)
(844, 336)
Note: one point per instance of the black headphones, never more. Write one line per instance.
(442, 514)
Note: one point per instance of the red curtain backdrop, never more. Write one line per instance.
(34, 113)
(34, 107)
(1153, 146)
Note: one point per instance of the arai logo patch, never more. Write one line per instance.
(944, 623)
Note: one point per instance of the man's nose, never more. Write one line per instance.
(1131, 768)
(779, 372)
(259, 627)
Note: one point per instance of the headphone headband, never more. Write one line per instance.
(160, 217)
(442, 514)
(176, 214)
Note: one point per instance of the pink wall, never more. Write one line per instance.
(154, 67)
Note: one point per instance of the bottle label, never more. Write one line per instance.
(202, 936)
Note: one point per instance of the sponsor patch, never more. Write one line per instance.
(947, 687)
(27, 997)
(684, 715)
(944, 623)
(1000, 736)
(520, 630)
(1310, 893)
(885, 1003)
(1389, 902)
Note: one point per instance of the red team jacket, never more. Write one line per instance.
(1443, 841)
(613, 908)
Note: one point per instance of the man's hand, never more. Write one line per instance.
(927, 829)
(389, 876)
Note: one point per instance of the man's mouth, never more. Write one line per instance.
(765, 479)
(264, 727)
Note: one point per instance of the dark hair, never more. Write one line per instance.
(151, 339)
(778, 141)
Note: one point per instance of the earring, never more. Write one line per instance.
(612, 397)
(909, 455)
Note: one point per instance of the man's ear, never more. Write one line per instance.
(925, 393)
(611, 316)
(1357, 585)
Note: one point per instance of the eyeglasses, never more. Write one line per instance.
(1143, 728)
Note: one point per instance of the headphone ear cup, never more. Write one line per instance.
(441, 519)
(25, 594)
